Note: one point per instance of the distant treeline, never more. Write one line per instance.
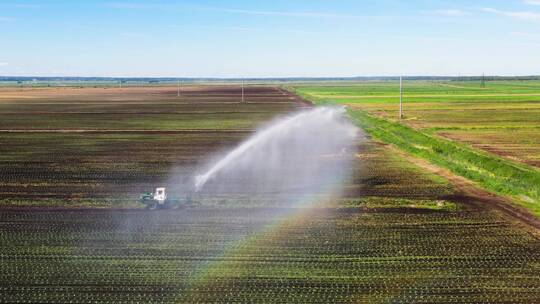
(286, 79)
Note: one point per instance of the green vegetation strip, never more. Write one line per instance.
(493, 173)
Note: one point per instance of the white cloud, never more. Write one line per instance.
(130, 5)
(287, 14)
(21, 5)
(133, 35)
(3, 63)
(532, 2)
(299, 14)
(452, 12)
(266, 30)
(523, 15)
(525, 34)
(30, 6)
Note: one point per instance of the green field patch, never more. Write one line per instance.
(492, 173)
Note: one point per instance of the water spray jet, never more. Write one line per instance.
(307, 153)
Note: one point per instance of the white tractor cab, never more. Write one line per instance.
(160, 195)
(160, 200)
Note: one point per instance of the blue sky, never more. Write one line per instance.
(277, 38)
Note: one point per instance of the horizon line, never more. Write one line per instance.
(7, 77)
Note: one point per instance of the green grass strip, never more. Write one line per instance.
(491, 172)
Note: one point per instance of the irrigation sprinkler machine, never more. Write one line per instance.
(160, 200)
(289, 140)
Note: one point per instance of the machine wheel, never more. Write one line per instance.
(152, 206)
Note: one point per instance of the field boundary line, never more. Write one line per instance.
(126, 131)
(420, 96)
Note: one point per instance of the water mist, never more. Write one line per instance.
(298, 157)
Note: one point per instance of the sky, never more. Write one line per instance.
(278, 38)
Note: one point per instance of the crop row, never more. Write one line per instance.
(266, 255)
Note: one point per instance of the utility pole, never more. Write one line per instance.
(178, 88)
(243, 90)
(483, 84)
(400, 97)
